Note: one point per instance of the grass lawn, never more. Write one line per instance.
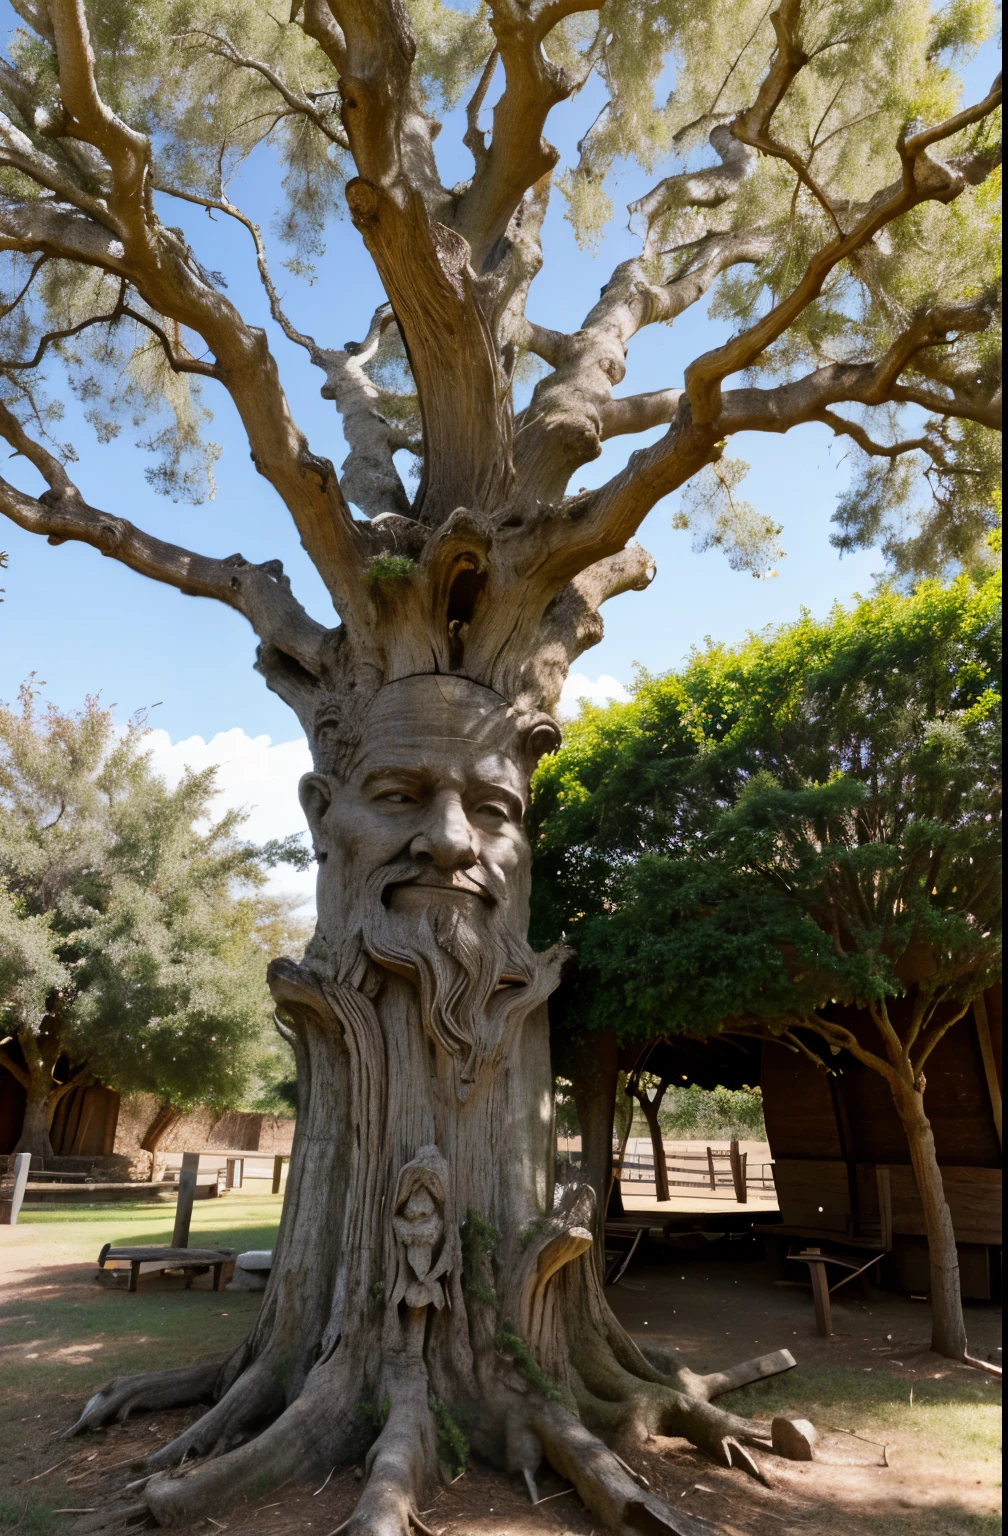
(872, 1384)
(62, 1336)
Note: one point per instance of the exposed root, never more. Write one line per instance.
(154, 1390)
(295, 1445)
(716, 1383)
(402, 1461)
(602, 1481)
(255, 1395)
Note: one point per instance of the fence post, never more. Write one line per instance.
(186, 1195)
(277, 1170)
(738, 1163)
(710, 1168)
(12, 1189)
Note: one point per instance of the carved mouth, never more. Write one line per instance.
(417, 893)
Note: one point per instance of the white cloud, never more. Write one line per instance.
(580, 686)
(254, 774)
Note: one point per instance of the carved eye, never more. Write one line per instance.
(397, 797)
(492, 809)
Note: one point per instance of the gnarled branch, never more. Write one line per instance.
(260, 592)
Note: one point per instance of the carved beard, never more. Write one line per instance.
(460, 964)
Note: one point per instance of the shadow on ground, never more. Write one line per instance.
(873, 1389)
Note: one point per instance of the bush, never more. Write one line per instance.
(717, 1114)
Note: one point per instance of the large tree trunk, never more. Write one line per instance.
(948, 1330)
(41, 1052)
(39, 1109)
(424, 1272)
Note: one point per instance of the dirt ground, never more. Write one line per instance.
(910, 1445)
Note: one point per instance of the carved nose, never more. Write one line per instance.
(447, 838)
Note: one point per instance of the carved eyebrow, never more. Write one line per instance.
(399, 773)
(501, 791)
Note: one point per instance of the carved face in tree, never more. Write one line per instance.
(424, 865)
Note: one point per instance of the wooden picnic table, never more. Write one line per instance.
(196, 1260)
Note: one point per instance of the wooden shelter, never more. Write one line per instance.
(832, 1129)
(829, 1133)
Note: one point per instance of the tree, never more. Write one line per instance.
(842, 216)
(816, 829)
(131, 940)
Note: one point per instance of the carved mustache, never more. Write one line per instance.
(478, 880)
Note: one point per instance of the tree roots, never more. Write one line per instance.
(154, 1390)
(317, 1431)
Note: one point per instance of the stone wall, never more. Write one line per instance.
(202, 1130)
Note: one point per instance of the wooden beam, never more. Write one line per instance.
(186, 1195)
(990, 1064)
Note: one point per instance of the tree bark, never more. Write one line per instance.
(41, 1052)
(40, 1106)
(650, 1109)
(658, 1150)
(948, 1329)
(593, 1067)
(166, 1118)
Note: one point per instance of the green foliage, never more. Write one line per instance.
(518, 1351)
(390, 568)
(369, 1421)
(565, 1109)
(453, 1447)
(717, 1114)
(132, 924)
(478, 1237)
(805, 819)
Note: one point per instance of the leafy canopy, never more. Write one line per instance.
(132, 922)
(809, 818)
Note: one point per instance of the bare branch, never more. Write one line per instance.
(563, 425)
(844, 1039)
(841, 427)
(473, 138)
(18, 151)
(17, 1072)
(752, 127)
(180, 362)
(260, 592)
(923, 180)
(709, 188)
(6, 309)
(572, 623)
(130, 242)
(874, 383)
(518, 155)
(934, 1035)
(638, 413)
(126, 152)
(220, 44)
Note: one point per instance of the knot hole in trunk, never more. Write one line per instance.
(463, 595)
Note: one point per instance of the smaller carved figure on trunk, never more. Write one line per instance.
(427, 1241)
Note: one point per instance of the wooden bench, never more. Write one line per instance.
(194, 1261)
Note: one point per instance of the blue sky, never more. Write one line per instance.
(85, 624)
